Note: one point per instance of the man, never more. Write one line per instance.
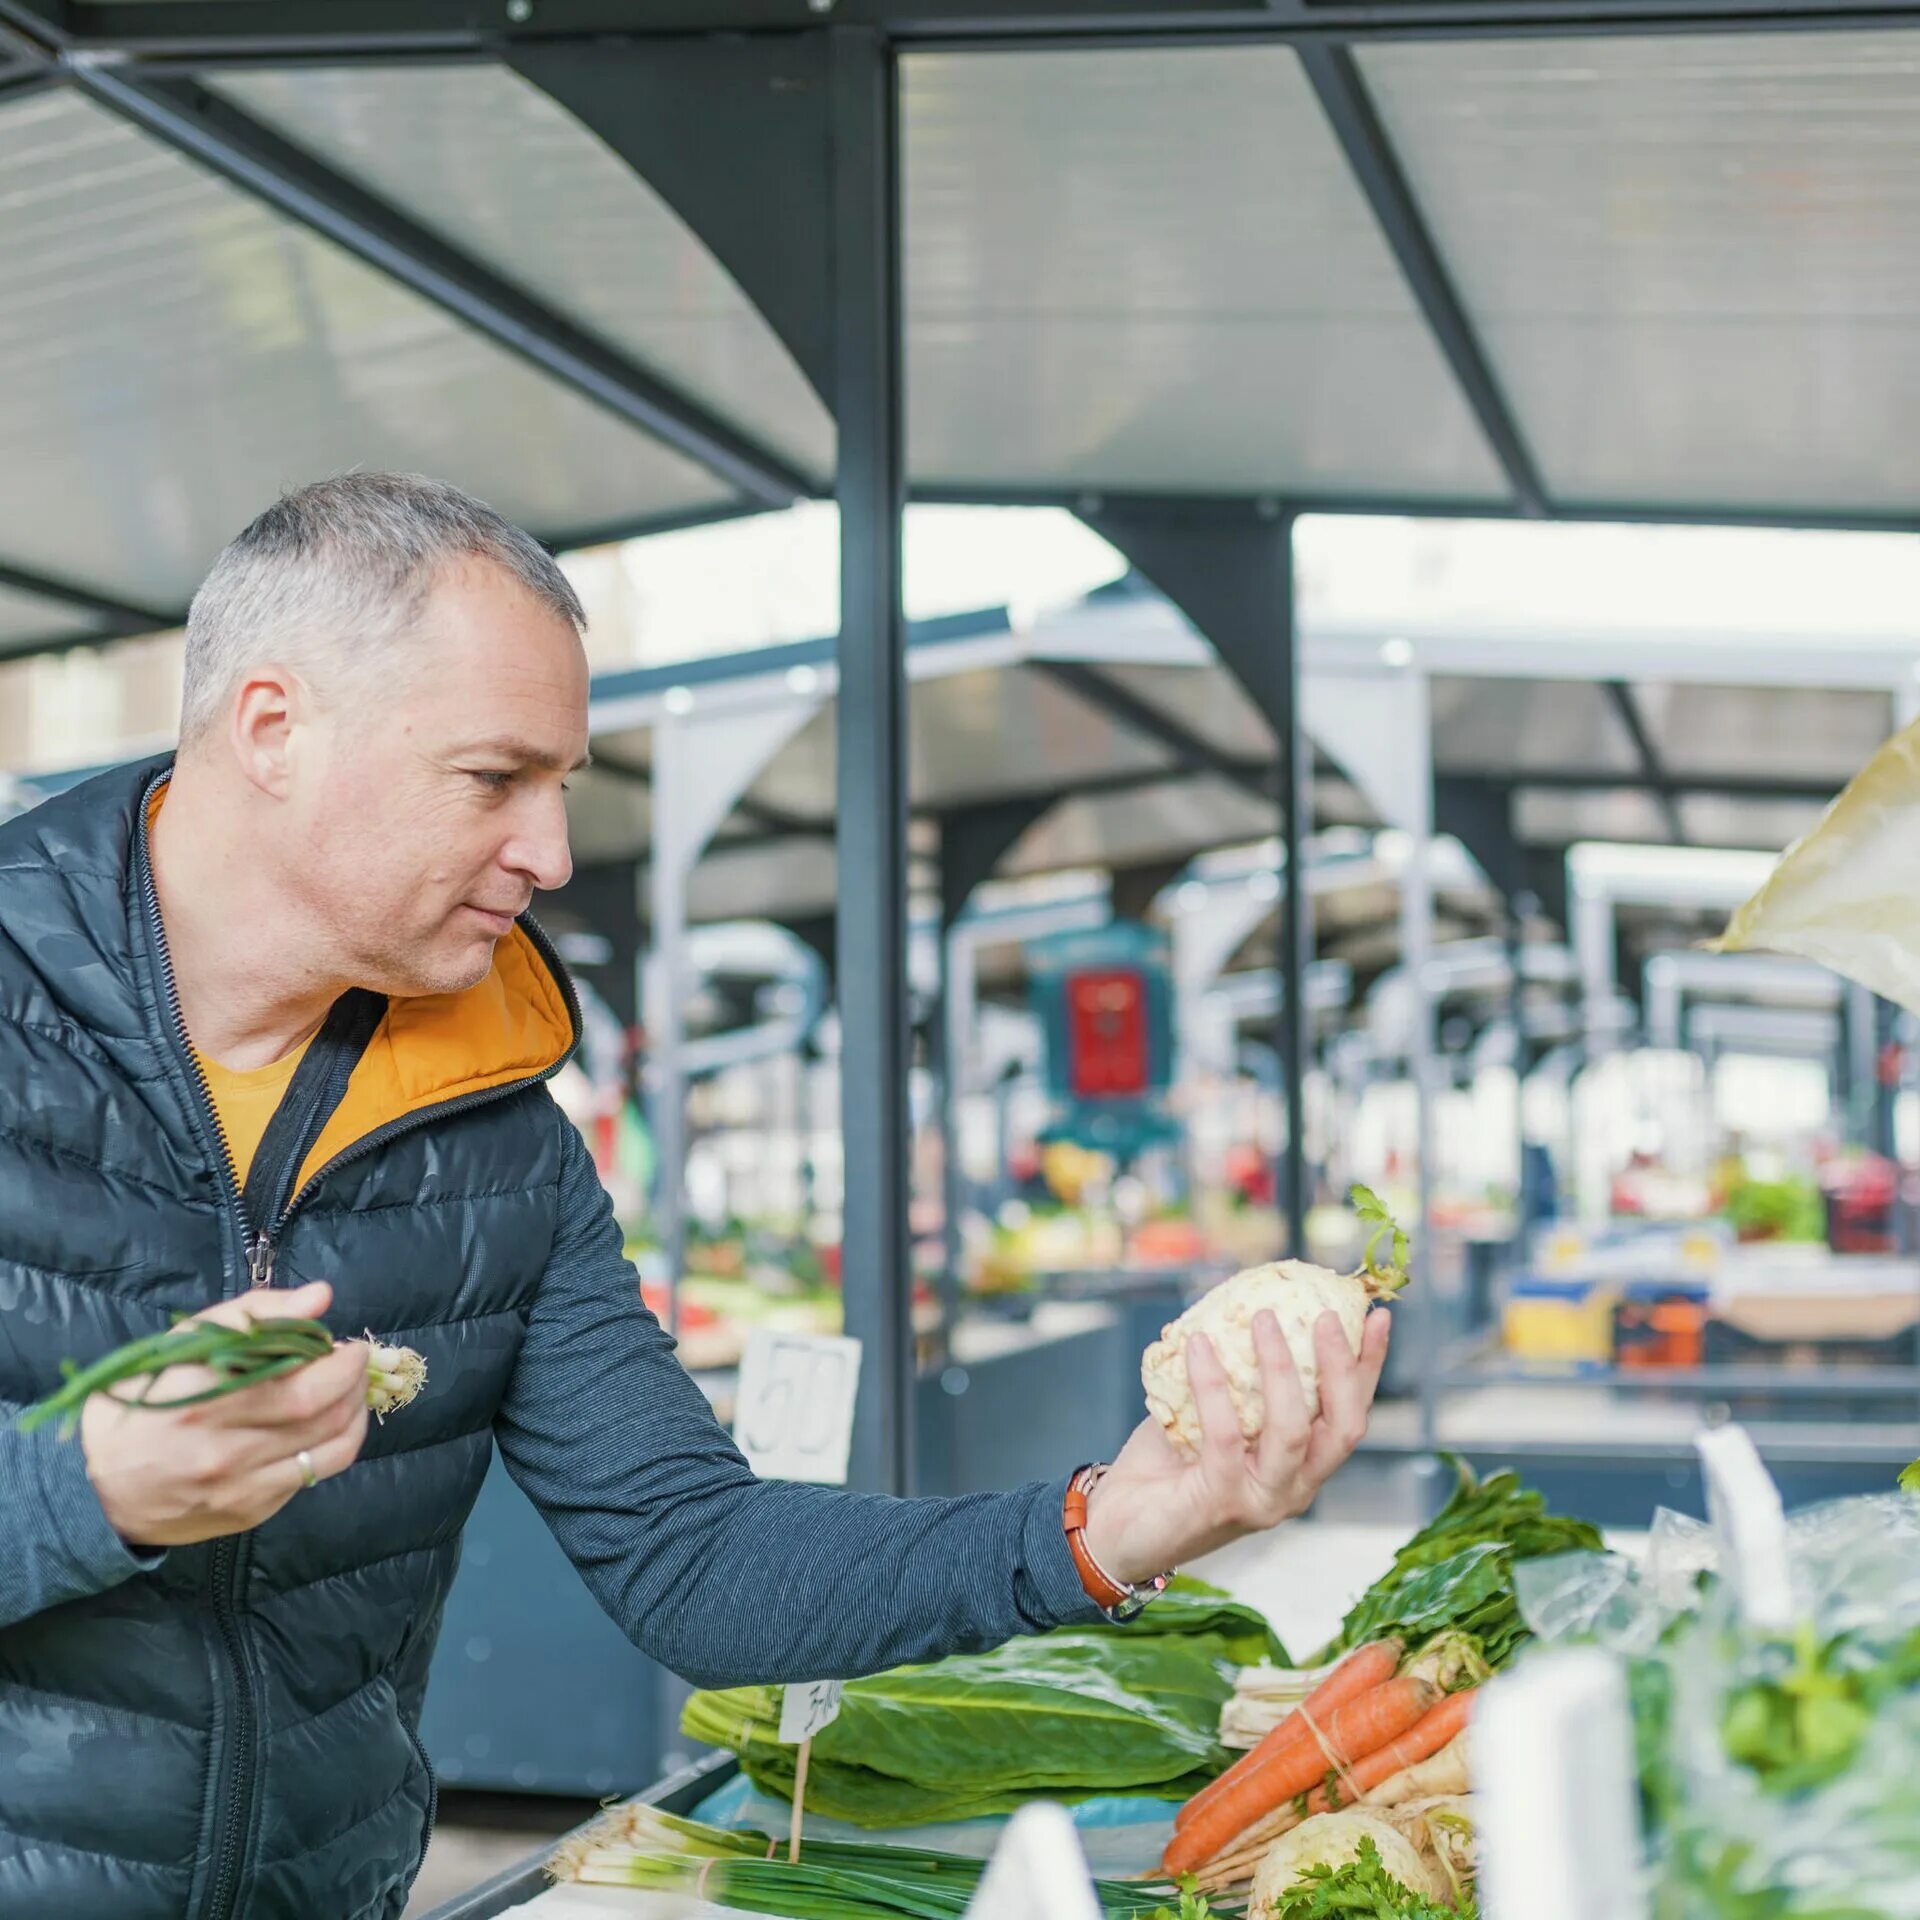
(274, 1030)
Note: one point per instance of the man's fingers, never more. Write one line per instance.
(1220, 1433)
(281, 1478)
(265, 1443)
(306, 1302)
(1343, 1398)
(299, 1398)
(1373, 1350)
(1284, 1430)
(1344, 1408)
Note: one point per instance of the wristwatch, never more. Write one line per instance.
(1117, 1600)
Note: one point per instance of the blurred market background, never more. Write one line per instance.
(1199, 930)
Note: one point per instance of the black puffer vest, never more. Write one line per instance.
(231, 1736)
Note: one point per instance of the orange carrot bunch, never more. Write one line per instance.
(1364, 1723)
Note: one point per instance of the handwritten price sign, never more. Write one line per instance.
(794, 1416)
(804, 1710)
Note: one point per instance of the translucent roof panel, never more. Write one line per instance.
(1534, 726)
(493, 165)
(176, 354)
(1786, 733)
(1155, 270)
(25, 618)
(1204, 701)
(1769, 825)
(1168, 820)
(1562, 819)
(971, 736)
(1695, 262)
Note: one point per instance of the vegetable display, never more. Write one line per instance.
(1779, 1770)
(1361, 1886)
(1068, 1714)
(239, 1357)
(1457, 1571)
(640, 1846)
(1297, 1294)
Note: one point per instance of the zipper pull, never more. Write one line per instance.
(260, 1262)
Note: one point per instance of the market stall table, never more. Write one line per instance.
(1303, 1577)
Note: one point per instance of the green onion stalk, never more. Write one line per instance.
(640, 1846)
(239, 1357)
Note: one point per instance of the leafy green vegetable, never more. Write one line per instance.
(1457, 1571)
(1801, 1725)
(1193, 1906)
(1362, 1889)
(1080, 1711)
(1373, 1213)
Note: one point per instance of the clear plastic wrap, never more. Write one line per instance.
(1779, 1773)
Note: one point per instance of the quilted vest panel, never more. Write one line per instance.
(231, 1736)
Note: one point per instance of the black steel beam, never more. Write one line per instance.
(603, 533)
(1090, 502)
(1336, 80)
(217, 134)
(1146, 722)
(1620, 698)
(239, 28)
(876, 1040)
(1724, 786)
(117, 619)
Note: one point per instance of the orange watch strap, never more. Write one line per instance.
(1102, 1590)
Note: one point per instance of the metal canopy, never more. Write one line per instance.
(1508, 257)
(1159, 275)
(176, 354)
(1696, 262)
(493, 165)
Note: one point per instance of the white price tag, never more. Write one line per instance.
(1744, 1505)
(794, 1417)
(1037, 1871)
(804, 1710)
(1553, 1782)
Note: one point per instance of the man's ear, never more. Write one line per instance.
(269, 705)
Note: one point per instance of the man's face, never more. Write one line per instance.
(431, 810)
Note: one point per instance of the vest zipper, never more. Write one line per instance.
(235, 1802)
(258, 1253)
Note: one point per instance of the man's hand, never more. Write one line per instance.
(168, 1477)
(1155, 1508)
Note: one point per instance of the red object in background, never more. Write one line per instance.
(1893, 1064)
(1250, 1174)
(1860, 1194)
(1107, 1034)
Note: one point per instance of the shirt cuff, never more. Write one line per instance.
(101, 1559)
(1049, 1560)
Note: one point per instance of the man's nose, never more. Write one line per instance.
(540, 850)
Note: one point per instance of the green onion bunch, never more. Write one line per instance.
(640, 1846)
(239, 1357)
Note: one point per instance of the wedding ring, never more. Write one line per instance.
(307, 1475)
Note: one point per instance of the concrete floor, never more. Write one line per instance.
(478, 1834)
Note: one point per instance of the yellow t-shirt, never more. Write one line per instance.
(246, 1101)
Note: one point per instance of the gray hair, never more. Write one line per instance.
(342, 568)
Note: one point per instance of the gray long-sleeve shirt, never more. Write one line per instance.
(722, 1577)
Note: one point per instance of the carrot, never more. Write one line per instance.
(1438, 1729)
(1359, 1728)
(1360, 1672)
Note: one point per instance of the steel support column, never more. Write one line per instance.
(876, 1254)
(1230, 570)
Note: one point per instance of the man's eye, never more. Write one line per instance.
(493, 779)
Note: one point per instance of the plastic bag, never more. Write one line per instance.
(1761, 1807)
(1608, 1600)
(1848, 894)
